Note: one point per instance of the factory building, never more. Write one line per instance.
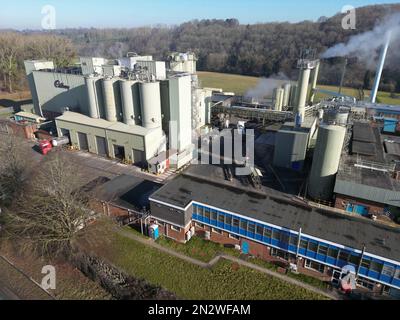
(319, 241)
(135, 144)
(292, 143)
(368, 182)
(182, 62)
(123, 108)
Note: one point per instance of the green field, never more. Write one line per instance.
(240, 84)
(226, 280)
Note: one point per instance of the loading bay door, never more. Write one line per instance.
(101, 146)
(83, 141)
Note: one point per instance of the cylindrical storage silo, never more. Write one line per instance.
(279, 99)
(150, 102)
(293, 92)
(335, 116)
(110, 106)
(286, 94)
(302, 90)
(93, 103)
(314, 80)
(130, 101)
(326, 160)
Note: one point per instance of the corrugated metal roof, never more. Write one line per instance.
(367, 192)
(79, 118)
(281, 211)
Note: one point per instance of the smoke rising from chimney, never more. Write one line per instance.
(365, 45)
(266, 86)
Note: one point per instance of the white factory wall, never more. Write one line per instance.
(180, 95)
(54, 99)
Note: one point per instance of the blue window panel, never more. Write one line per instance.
(283, 245)
(321, 257)
(235, 229)
(311, 254)
(385, 278)
(396, 282)
(275, 242)
(341, 263)
(373, 274)
(227, 227)
(266, 240)
(251, 235)
(206, 220)
(258, 237)
(220, 224)
(363, 271)
(292, 248)
(330, 260)
(213, 222)
(243, 232)
(302, 251)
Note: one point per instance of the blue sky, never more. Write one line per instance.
(21, 14)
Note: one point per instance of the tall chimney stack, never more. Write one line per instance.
(381, 64)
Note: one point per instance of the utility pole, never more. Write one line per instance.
(359, 264)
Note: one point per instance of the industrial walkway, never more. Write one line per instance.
(149, 242)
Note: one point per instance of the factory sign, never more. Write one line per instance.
(61, 85)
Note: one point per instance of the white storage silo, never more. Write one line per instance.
(302, 90)
(150, 102)
(286, 94)
(278, 99)
(130, 101)
(326, 161)
(292, 98)
(110, 106)
(93, 102)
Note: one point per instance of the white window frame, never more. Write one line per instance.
(217, 231)
(307, 265)
(175, 228)
(234, 236)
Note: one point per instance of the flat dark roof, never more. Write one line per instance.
(283, 211)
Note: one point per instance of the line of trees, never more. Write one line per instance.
(258, 50)
(221, 45)
(16, 47)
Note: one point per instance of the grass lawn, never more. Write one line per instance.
(198, 248)
(240, 84)
(226, 280)
(205, 251)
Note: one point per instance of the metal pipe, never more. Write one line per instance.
(381, 64)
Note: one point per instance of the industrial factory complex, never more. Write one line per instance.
(322, 192)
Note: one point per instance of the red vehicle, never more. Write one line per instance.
(45, 146)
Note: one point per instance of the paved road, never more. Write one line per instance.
(96, 166)
(215, 260)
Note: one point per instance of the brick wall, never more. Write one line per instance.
(373, 207)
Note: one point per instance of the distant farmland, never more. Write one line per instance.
(240, 84)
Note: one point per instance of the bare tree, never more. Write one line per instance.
(53, 210)
(10, 48)
(14, 168)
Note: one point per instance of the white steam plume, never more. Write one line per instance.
(365, 45)
(266, 86)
